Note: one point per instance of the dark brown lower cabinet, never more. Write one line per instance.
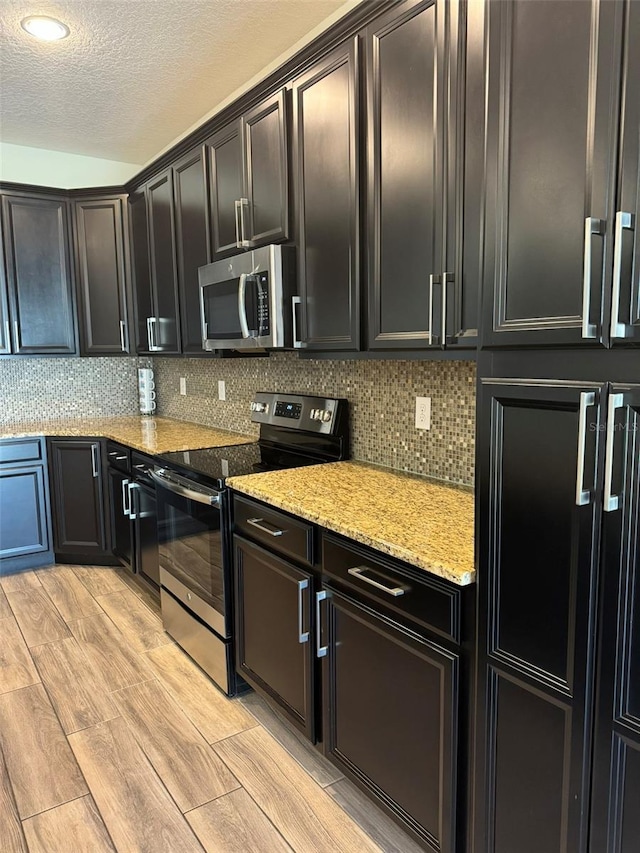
(616, 789)
(121, 530)
(390, 716)
(274, 652)
(79, 525)
(540, 484)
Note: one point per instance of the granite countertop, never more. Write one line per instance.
(150, 435)
(424, 523)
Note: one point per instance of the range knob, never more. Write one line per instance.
(261, 408)
(326, 416)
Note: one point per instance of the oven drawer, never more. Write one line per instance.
(192, 600)
(207, 649)
(280, 532)
(414, 596)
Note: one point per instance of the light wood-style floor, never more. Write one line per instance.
(111, 738)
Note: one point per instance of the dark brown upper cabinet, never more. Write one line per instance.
(326, 166)
(625, 309)
(192, 243)
(406, 53)
(5, 324)
(153, 248)
(249, 179)
(102, 265)
(553, 78)
(39, 275)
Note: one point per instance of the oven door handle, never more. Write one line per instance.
(162, 479)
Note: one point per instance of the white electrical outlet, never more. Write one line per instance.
(423, 412)
(222, 393)
(183, 386)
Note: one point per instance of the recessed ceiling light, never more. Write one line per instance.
(45, 28)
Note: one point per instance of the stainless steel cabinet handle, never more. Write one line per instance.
(120, 458)
(611, 502)
(587, 399)
(94, 460)
(261, 524)
(303, 636)
(624, 221)
(16, 334)
(7, 332)
(149, 336)
(124, 337)
(238, 226)
(447, 279)
(358, 572)
(295, 302)
(126, 506)
(591, 226)
(244, 243)
(321, 650)
(431, 283)
(132, 488)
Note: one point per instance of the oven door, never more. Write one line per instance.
(192, 547)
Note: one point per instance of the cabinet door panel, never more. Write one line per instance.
(143, 302)
(76, 485)
(24, 527)
(102, 274)
(616, 789)
(146, 538)
(268, 648)
(326, 119)
(551, 141)
(625, 312)
(266, 171)
(404, 751)
(121, 537)
(165, 330)
(224, 157)
(405, 72)
(36, 243)
(539, 487)
(192, 243)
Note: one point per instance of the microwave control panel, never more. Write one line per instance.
(263, 304)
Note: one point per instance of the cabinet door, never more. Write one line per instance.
(539, 514)
(39, 274)
(143, 302)
(165, 332)
(616, 789)
(76, 486)
(553, 72)
(273, 626)
(192, 243)
(102, 275)
(266, 172)
(144, 512)
(390, 718)
(121, 532)
(224, 161)
(325, 104)
(625, 310)
(24, 525)
(405, 78)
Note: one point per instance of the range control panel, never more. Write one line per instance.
(297, 411)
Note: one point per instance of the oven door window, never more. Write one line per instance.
(191, 547)
(221, 309)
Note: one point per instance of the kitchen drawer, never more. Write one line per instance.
(280, 532)
(119, 456)
(410, 593)
(17, 451)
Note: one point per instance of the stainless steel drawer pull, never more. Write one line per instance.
(303, 636)
(611, 502)
(587, 399)
(133, 510)
(126, 506)
(321, 650)
(266, 526)
(359, 572)
(124, 336)
(591, 226)
(94, 460)
(624, 221)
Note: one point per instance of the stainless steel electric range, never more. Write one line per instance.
(194, 519)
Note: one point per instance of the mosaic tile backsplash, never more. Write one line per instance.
(39, 388)
(381, 396)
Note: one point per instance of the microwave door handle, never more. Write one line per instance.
(242, 305)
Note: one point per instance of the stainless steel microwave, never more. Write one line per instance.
(249, 301)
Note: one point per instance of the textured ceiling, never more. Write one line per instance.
(135, 74)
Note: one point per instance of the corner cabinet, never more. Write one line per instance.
(552, 135)
(326, 134)
(103, 275)
(540, 499)
(39, 275)
(248, 166)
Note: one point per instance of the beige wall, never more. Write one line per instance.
(46, 168)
